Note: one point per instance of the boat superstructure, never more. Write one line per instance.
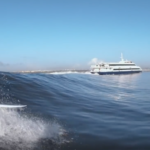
(122, 67)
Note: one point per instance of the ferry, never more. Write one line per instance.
(122, 67)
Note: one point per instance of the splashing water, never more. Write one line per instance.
(64, 72)
(21, 132)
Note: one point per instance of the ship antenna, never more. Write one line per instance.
(122, 57)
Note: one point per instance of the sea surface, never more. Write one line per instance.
(75, 111)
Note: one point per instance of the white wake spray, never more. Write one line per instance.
(69, 72)
(64, 72)
(21, 132)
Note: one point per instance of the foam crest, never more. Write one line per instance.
(69, 72)
(21, 132)
(64, 72)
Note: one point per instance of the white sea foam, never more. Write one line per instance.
(69, 72)
(64, 72)
(21, 132)
(87, 72)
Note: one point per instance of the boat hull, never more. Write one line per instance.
(116, 73)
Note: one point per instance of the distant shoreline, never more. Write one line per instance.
(146, 70)
(51, 71)
(73, 71)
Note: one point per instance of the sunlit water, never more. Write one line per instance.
(75, 111)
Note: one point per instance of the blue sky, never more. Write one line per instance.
(55, 34)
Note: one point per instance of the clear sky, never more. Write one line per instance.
(55, 34)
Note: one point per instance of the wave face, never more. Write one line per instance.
(75, 110)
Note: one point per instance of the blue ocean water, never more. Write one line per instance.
(75, 111)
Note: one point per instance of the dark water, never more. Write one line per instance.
(75, 111)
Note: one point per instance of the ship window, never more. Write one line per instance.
(127, 69)
(121, 64)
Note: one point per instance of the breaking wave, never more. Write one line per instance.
(64, 72)
(69, 72)
(21, 132)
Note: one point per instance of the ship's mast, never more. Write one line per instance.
(122, 57)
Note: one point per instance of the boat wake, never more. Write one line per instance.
(64, 72)
(69, 72)
(21, 132)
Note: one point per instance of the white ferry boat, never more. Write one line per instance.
(122, 67)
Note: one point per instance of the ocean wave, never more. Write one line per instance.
(74, 110)
(21, 132)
